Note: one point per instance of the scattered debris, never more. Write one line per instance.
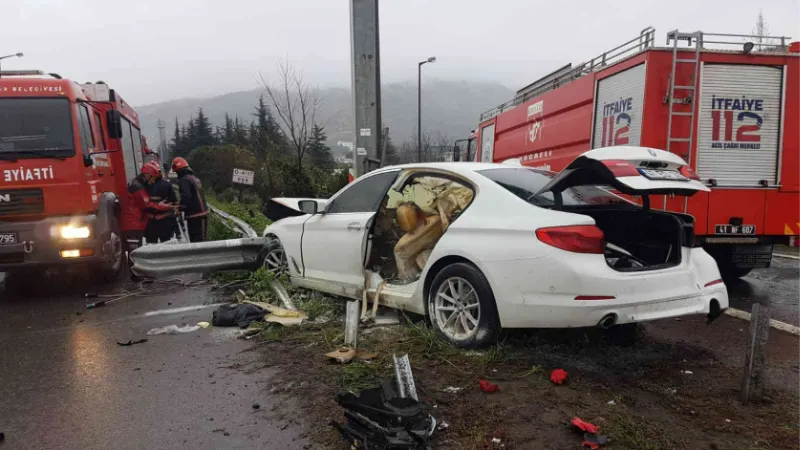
(129, 343)
(281, 293)
(365, 355)
(237, 314)
(488, 386)
(381, 418)
(687, 372)
(256, 406)
(342, 355)
(452, 389)
(283, 316)
(405, 379)
(584, 426)
(173, 329)
(203, 324)
(727, 420)
(443, 426)
(611, 403)
(106, 302)
(558, 376)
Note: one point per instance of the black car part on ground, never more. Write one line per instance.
(237, 314)
(379, 419)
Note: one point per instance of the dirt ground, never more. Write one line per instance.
(641, 396)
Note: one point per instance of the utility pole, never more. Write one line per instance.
(366, 89)
(162, 145)
(432, 59)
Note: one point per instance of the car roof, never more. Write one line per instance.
(457, 167)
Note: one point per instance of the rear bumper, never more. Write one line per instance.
(37, 246)
(540, 293)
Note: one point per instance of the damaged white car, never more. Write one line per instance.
(479, 247)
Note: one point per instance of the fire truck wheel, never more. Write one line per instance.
(23, 282)
(114, 255)
(730, 273)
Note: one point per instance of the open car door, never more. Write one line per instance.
(629, 170)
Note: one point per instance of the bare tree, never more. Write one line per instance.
(296, 105)
(435, 148)
(760, 32)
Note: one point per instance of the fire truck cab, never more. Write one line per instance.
(727, 104)
(67, 153)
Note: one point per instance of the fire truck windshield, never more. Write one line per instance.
(35, 128)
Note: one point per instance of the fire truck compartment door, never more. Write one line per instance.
(629, 170)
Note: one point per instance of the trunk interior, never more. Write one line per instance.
(639, 238)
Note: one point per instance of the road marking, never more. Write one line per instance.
(162, 312)
(780, 255)
(782, 326)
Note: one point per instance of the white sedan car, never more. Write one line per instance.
(479, 247)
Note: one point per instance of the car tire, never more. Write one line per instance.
(274, 258)
(111, 266)
(473, 321)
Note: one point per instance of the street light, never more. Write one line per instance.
(15, 55)
(432, 59)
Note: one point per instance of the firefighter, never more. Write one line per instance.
(140, 206)
(193, 202)
(162, 225)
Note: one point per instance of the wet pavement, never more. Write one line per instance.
(777, 287)
(65, 383)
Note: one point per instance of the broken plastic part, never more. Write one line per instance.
(584, 426)
(405, 379)
(558, 376)
(342, 355)
(488, 386)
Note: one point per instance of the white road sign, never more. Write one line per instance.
(243, 176)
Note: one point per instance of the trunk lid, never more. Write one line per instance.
(629, 170)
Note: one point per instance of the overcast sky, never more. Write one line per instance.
(157, 50)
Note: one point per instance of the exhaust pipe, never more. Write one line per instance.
(608, 321)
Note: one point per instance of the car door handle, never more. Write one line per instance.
(355, 226)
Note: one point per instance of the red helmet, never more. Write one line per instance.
(151, 169)
(179, 163)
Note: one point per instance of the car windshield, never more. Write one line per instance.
(524, 183)
(35, 127)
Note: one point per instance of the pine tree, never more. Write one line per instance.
(319, 154)
(203, 134)
(227, 132)
(175, 147)
(239, 133)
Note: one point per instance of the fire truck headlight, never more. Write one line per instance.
(74, 232)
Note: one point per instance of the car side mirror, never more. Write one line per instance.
(308, 206)
(114, 119)
(88, 161)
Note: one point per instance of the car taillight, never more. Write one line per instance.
(712, 283)
(689, 173)
(574, 238)
(621, 168)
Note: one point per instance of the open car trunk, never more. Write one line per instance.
(638, 238)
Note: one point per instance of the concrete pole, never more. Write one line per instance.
(366, 89)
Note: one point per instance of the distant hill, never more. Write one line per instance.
(451, 108)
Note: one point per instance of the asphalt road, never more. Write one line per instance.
(777, 287)
(66, 384)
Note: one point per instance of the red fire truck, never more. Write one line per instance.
(727, 104)
(67, 152)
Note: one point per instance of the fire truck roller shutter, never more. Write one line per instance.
(618, 109)
(739, 124)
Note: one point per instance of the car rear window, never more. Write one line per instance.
(524, 183)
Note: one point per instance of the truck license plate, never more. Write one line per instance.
(8, 238)
(657, 174)
(734, 229)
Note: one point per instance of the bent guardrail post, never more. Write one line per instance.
(246, 229)
(161, 260)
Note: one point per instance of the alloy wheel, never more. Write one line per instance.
(457, 308)
(275, 262)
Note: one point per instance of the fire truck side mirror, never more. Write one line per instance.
(114, 120)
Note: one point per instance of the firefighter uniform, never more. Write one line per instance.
(193, 202)
(140, 206)
(162, 225)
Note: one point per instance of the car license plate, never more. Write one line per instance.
(8, 238)
(658, 174)
(734, 229)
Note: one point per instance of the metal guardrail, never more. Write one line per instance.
(246, 229)
(171, 258)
